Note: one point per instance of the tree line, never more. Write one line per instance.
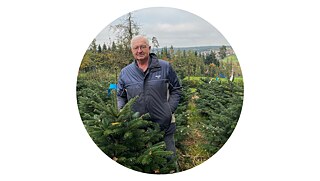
(186, 62)
(116, 55)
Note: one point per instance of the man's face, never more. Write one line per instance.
(140, 49)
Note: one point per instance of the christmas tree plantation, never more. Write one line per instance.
(219, 105)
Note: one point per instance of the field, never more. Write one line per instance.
(209, 112)
(205, 118)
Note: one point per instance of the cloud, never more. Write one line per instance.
(185, 34)
(174, 27)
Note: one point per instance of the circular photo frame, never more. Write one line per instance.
(160, 90)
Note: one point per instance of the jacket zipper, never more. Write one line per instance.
(145, 90)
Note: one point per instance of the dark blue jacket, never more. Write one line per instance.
(158, 89)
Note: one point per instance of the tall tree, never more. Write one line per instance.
(114, 46)
(171, 52)
(155, 43)
(93, 46)
(104, 47)
(164, 53)
(223, 52)
(99, 49)
(124, 31)
(211, 58)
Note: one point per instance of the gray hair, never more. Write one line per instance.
(139, 37)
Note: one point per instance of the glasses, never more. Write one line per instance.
(142, 47)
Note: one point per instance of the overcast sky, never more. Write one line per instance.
(171, 27)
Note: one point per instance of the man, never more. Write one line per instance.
(156, 84)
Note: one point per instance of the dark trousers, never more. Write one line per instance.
(169, 139)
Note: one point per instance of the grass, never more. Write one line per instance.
(194, 154)
(194, 78)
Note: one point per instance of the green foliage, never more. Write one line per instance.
(181, 115)
(228, 63)
(126, 137)
(206, 117)
(90, 96)
(220, 107)
(211, 58)
(222, 52)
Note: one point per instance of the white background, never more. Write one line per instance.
(42, 44)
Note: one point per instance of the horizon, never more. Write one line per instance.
(182, 47)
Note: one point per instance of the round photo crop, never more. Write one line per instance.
(159, 90)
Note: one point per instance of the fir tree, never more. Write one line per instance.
(222, 52)
(127, 137)
(99, 48)
(104, 47)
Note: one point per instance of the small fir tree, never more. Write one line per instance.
(129, 138)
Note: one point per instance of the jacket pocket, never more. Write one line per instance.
(133, 90)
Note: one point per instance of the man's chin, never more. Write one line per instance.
(141, 58)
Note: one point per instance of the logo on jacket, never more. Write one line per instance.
(158, 76)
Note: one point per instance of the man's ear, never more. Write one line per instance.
(149, 47)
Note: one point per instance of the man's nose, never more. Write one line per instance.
(139, 49)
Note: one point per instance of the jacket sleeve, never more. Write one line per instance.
(174, 89)
(121, 92)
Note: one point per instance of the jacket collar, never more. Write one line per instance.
(153, 63)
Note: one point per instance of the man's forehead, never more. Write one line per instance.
(139, 41)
